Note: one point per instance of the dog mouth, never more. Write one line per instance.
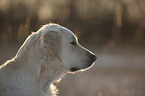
(74, 69)
(89, 64)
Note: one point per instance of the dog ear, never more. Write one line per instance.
(52, 42)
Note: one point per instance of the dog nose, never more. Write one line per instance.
(93, 57)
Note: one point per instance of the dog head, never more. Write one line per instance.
(62, 43)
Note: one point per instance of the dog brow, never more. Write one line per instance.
(75, 38)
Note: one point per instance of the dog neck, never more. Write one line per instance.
(33, 65)
(51, 71)
(41, 74)
(46, 67)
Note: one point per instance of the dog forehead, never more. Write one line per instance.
(68, 34)
(65, 33)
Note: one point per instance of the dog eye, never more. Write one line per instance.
(73, 43)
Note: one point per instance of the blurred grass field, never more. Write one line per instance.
(102, 81)
(113, 29)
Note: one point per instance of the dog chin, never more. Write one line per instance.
(75, 69)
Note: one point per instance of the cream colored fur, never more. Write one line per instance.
(43, 58)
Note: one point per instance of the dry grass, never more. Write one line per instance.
(100, 81)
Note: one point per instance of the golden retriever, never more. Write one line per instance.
(43, 58)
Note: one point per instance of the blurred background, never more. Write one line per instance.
(113, 29)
